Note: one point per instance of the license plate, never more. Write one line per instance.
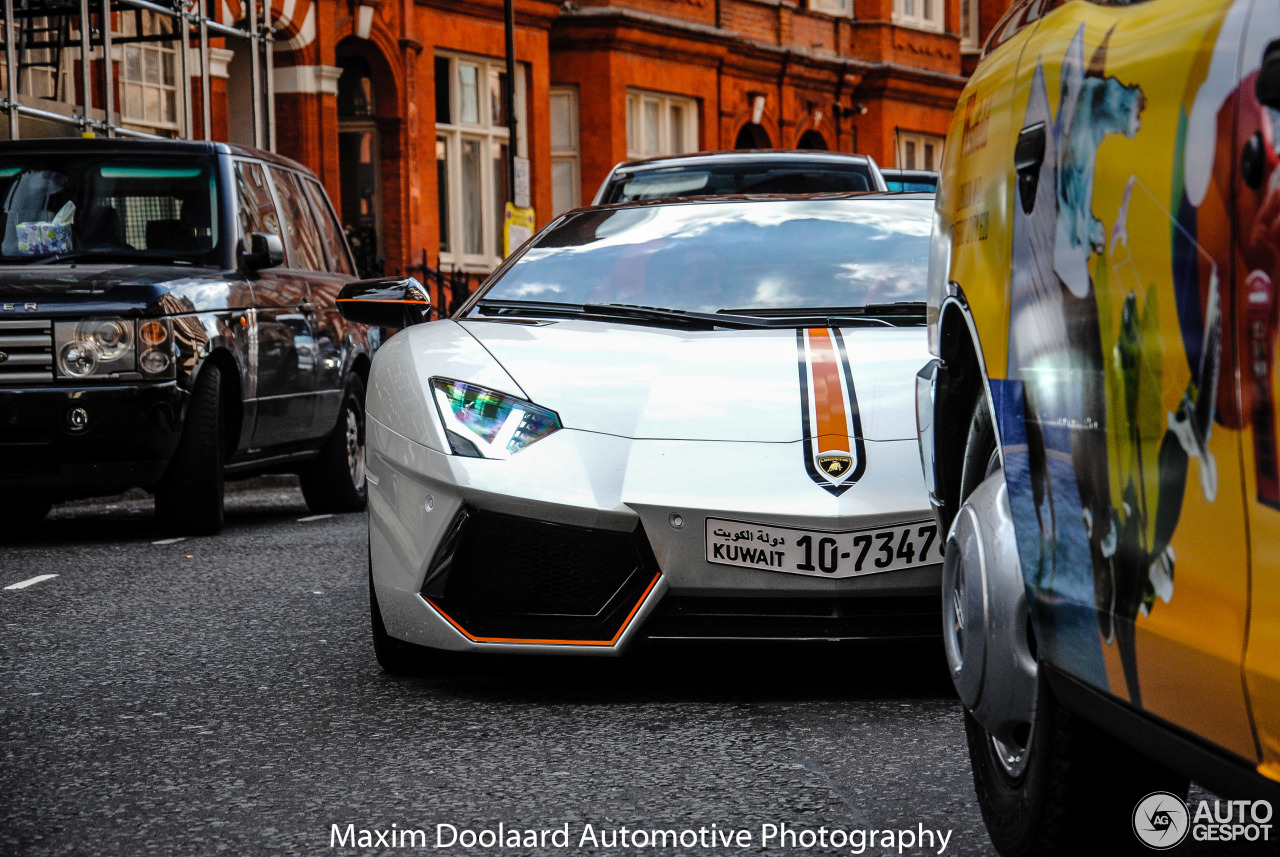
(822, 554)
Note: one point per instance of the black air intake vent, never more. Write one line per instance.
(511, 578)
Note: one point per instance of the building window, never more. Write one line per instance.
(566, 181)
(471, 156)
(839, 8)
(45, 71)
(919, 152)
(925, 14)
(660, 124)
(148, 72)
(970, 31)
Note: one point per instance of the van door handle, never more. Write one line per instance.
(1028, 157)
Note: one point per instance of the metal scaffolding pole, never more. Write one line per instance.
(256, 65)
(181, 24)
(86, 81)
(269, 50)
(11, 78)
(257, 38)
(206, 109)
(108, 74)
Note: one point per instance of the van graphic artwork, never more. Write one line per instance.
(1104, 312)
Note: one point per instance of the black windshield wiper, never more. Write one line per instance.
(626, 312)
(649, 313)
(886, 315)
(109, 256)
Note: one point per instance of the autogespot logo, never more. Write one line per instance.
(1161, 820)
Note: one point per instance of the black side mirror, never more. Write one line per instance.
(1267, 86)
(389, 302)
(264, 251)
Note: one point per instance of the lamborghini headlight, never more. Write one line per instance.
(483, 423)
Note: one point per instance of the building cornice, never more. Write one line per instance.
(733, 48)
(536, 14)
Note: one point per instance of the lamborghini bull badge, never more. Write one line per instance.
(834, 454)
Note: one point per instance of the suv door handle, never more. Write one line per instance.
(1028, 157)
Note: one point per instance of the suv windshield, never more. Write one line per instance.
(109, 207)
(732, 177)
(765, 255)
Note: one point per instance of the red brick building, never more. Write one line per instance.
(406, 126)
(397, 105)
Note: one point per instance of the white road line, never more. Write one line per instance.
(314, 518)
(170, 541)
(40, 578)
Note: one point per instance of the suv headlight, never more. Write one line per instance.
(483, 423)
(107, 348)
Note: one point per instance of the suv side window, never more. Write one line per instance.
(257, 210)
(298, 225)
(330, 232)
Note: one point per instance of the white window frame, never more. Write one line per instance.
(454, 133)
(910, 154)
(921, 14)
(151, 25)
(970, 26)
(835, 8)
(637, 126)
(569, 151)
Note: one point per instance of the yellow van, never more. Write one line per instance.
(1099, 425)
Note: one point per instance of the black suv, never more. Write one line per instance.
(168, 318)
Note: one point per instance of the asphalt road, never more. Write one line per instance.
(220, 696)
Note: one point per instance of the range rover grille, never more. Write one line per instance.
(27, 346)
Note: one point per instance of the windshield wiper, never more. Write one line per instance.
(886, 314)
(109, 256)
(626, 312)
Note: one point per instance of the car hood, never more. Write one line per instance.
(731, 385)
(116, 288)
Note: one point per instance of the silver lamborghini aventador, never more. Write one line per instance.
(688, 419)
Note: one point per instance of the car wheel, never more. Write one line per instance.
(1050, 783)
(335, 481)
(396, 657)
(189, 496)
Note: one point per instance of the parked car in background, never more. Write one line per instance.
(1099, 429)
(757, 171)
(923, 181)
(680, 420)
(168, 320)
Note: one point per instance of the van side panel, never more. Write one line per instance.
(1108, 346)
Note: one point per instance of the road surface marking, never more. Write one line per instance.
(40, 578)
(170, 541)
(314, 518)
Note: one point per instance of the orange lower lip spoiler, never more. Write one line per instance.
(535, 642)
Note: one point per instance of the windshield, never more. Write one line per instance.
(765, 255)
(732, 178)
(135, 209)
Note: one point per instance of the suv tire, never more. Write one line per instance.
(189, 496)
(335, 482)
